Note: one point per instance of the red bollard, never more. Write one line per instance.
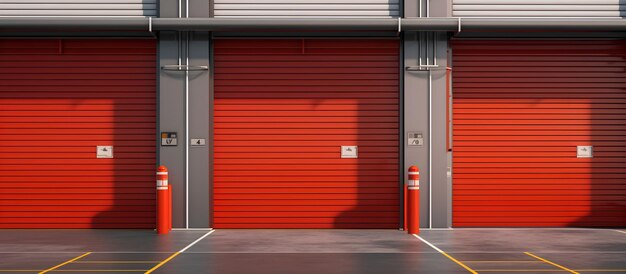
(163, 202)
(413, 203)
(169, 207)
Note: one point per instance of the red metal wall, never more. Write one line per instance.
(283, 108)
(59, 99)
(520, 109)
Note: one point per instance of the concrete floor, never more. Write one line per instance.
(315, 251)
(578, 250)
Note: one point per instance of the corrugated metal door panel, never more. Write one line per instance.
(307, 8)
(520, 110)
(282, 110)
(116, 8)
(539, 8)
(59, 99)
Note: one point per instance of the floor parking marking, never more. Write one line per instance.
(95, 252)
(446, 254)
(178, 252)
(416, 252)
(196, 241)
(163, 262)
(620, 231)
(117, 262)
(549, 262)
(99, 270)
(520, 270)
(64, 263)
(502, 261)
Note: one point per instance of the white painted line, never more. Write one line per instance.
(192, 229)
(416, 252)
(428, 243)
(196, 241)
(621, 231)
(447, 255)
(171, 257)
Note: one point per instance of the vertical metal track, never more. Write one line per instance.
(430, 149)
(184, 49)
(187, 47)
(430, 125)
(427, 47)
(180, 8)
(187, 130)
(420, 9)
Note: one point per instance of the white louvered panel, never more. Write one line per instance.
(116, 8)
(539, 8)
(307, 8)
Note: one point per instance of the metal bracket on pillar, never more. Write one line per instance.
(422, 68)
(184, 68)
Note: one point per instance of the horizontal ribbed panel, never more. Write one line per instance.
(115, 8)
(307, 8)
(59, 99)
(521, 108)
(539, 8)
(283, 109)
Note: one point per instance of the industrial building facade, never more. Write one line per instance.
(307, 113)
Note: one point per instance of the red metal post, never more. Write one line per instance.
(413, 209)
(163, 202)
(169, 207)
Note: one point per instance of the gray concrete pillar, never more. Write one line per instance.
(174, 49)
(171, 118)
(437, 8)
(425, 114)
(197, 8)
(190, 182)
(435, 196)
(199, 112)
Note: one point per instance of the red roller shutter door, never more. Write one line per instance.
(283, 108)
(520, 110)
(59, 99)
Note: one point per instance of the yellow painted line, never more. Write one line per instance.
(552, 263)
(459, 263)
(19, 270)
(99, 270)
(520, 270)
(502, 261)
(117, 262)
(179, 252)
(64, 263)
(163, 262)
(446, 254)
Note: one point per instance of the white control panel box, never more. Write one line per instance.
(584, 151)
(104, 152)
(349, 152)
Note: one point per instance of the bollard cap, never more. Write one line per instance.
(414, 169)
(162, 169)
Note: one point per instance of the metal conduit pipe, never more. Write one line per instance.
(252, 24)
